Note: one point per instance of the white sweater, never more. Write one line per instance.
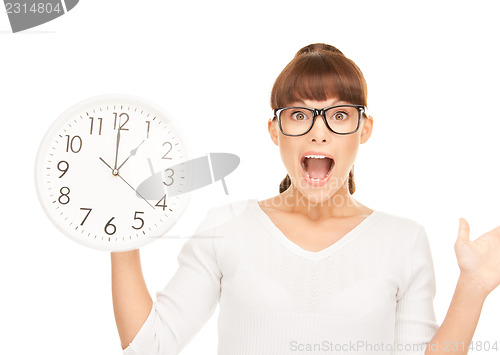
(371, 292)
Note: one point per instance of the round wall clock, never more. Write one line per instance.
(93, 159)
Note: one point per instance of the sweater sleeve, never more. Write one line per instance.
(415, 318)
(187, 301)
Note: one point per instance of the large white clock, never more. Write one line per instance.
(91, 162)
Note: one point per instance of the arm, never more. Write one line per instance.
(459, 325)
(415, 318)
(479, 275)
(131, 300)
(188, 300)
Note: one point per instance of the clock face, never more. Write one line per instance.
(91, 162)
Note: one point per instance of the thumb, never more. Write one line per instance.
(463, 230)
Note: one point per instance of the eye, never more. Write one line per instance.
(299, 116)
(340, 116)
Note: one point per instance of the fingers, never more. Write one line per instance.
(463, 230)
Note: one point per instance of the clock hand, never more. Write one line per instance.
(127, 183)
(132, 152)
(106, 163)
(121, 177)
(115, 172)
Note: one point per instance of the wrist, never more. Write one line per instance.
(121, 255)
(472, 286)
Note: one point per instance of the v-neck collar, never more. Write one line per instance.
(311, 255)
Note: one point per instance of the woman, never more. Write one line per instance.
(311, 269)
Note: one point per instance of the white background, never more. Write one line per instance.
(432, 70)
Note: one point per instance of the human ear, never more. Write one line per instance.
(273, 130)
(366, 131)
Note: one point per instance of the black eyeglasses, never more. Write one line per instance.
(340, 119)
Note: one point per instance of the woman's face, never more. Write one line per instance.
(343, 149)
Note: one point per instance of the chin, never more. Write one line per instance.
(319, 194)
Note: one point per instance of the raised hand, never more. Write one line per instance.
(479, 260)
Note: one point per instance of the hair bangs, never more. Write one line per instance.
(319, 76)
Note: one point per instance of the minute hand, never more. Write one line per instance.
(132, 152)
(117, 146)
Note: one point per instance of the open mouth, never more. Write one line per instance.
(316, 167)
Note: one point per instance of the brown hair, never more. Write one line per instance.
(318, 72)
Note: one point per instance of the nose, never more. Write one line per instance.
(319, 131)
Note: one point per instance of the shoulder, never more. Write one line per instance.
(228, 213)
(230, 209)
(405, 240)
(400, 230)
(398, 222)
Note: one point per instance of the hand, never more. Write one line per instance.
(115, 171)
(479, 260)
(132, 152)
(127, 183)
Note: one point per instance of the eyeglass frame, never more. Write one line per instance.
(321, 112)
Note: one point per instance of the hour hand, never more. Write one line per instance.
(132, 152)
(121, 177)
(106, 163)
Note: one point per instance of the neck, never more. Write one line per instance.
(317, 207)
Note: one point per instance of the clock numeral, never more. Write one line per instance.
(147, 132)
(164, 200)
(65, 169)
(92, 124)
(110, 225)
(89, 209)
(70, 145)
(120, 120)
(64, 195)
(170, 177)
(140, 219)
(165, 155)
